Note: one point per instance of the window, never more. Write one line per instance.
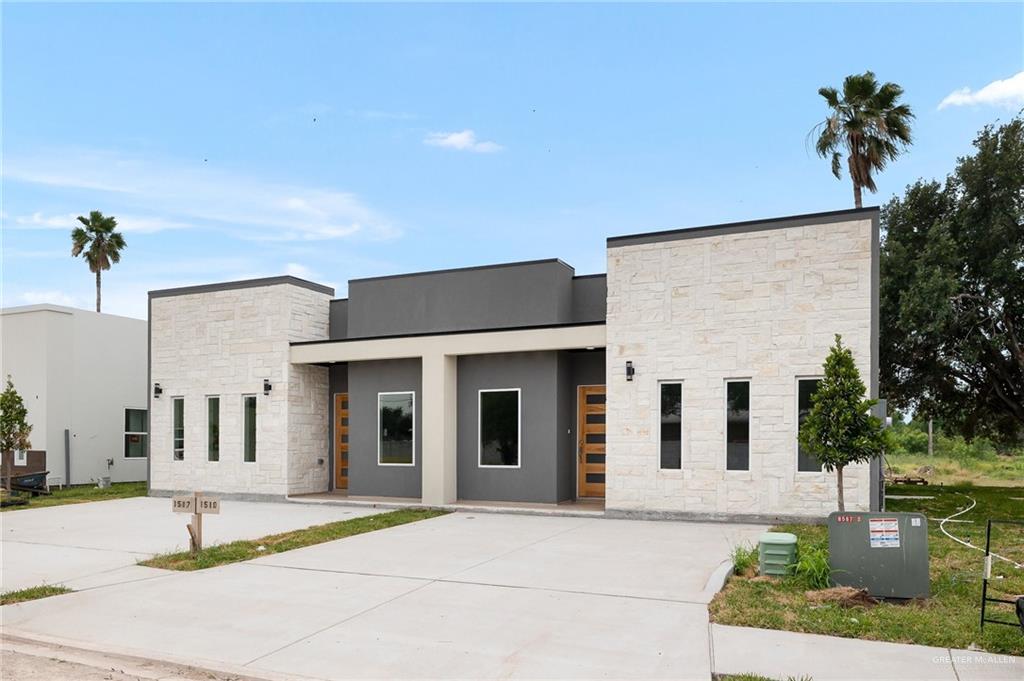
(395, 429)
(136, 429)
(213, 428)
(737, 425)
(249, 432)
(671, 425)
(178, 408)
(806, 387)
(20, 457)
(498, 428)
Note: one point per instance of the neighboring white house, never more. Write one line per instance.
(82, 376)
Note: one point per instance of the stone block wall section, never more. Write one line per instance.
(225, 341)
(763, 305)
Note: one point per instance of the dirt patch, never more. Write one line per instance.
(845, 596)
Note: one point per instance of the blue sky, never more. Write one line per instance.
(339, 141)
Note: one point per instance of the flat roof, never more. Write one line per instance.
(741, 227)
(242, 283)
(520, 263)
(452, 332)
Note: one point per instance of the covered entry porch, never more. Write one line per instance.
(510, 416)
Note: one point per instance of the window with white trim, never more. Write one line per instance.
(498, 428)
(737, 425)
(20, 457)
(136, 432)
(396, 429)
(671, 426)
(178, 428)
(806, 387)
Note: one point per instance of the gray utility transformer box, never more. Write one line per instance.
(885, 553)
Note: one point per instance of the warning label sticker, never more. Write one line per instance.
(884, 533)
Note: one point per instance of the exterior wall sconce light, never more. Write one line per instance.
(629, 371)
(266, 386)
(157, 391)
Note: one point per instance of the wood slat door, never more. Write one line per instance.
(341, 441)
(590, 431)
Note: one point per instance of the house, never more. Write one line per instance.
(672, 386)
(82, 376)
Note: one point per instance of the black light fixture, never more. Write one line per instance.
(629, 371)
(157, 391)
(266, 386)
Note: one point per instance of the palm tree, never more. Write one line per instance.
(867, 123)
(99, 243)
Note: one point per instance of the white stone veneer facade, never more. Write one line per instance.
(225, 342)
(761, 305)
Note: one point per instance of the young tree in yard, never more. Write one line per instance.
(840, 430)
(952, 293)
(100, 244)
(14, 427)
(868, 123)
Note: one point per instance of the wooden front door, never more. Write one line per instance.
(341, 441)
(590, 429)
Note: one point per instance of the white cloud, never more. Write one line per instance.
(51, 297)
(183, 194)
(1007, 93)
(463, 141)
(67, 221)
(297, 270)
(39, 221)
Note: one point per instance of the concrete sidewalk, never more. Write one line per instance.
(783, 654)
(97, 543)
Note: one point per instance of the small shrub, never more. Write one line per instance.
(744, 559)
(812, 565)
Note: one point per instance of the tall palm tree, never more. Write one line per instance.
(868, 123)
(98, 243)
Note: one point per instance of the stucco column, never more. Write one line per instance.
(438, 439)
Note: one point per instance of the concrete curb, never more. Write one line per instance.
(717, 580)
(130, 661)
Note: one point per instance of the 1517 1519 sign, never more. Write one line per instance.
(198, 504)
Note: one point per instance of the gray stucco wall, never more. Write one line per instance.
(536, 375)
(339, 319)
(520, 294)
(365, 380)
(589, 298)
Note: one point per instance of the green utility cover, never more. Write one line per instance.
(776, 553)
(885, 553)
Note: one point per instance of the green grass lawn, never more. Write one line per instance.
(948, 619)
(31, 594)
(83, 493)
(236, 551)
(1002, 471)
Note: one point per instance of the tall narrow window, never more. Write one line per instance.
(213, 428)
(671, 425)
(396, 435)
(498, 428)
(136, 431)
(737, 425)
(249, 429)
(178, 434)
(806, 387)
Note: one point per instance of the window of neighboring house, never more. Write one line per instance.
(20, 457)
(806, 387)
(498, 428)
(671, 426)
(136, 431)
(178, 411)
(396, 431)
(213, 428)
(249, 434)
(737, 425)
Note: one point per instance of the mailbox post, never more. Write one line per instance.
(198, 504)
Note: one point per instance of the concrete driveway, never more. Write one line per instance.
(85, 545)
(460, 596)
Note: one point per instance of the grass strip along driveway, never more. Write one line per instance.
(32, 594)
(247, 549)
(948, 619)
(81, 494)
